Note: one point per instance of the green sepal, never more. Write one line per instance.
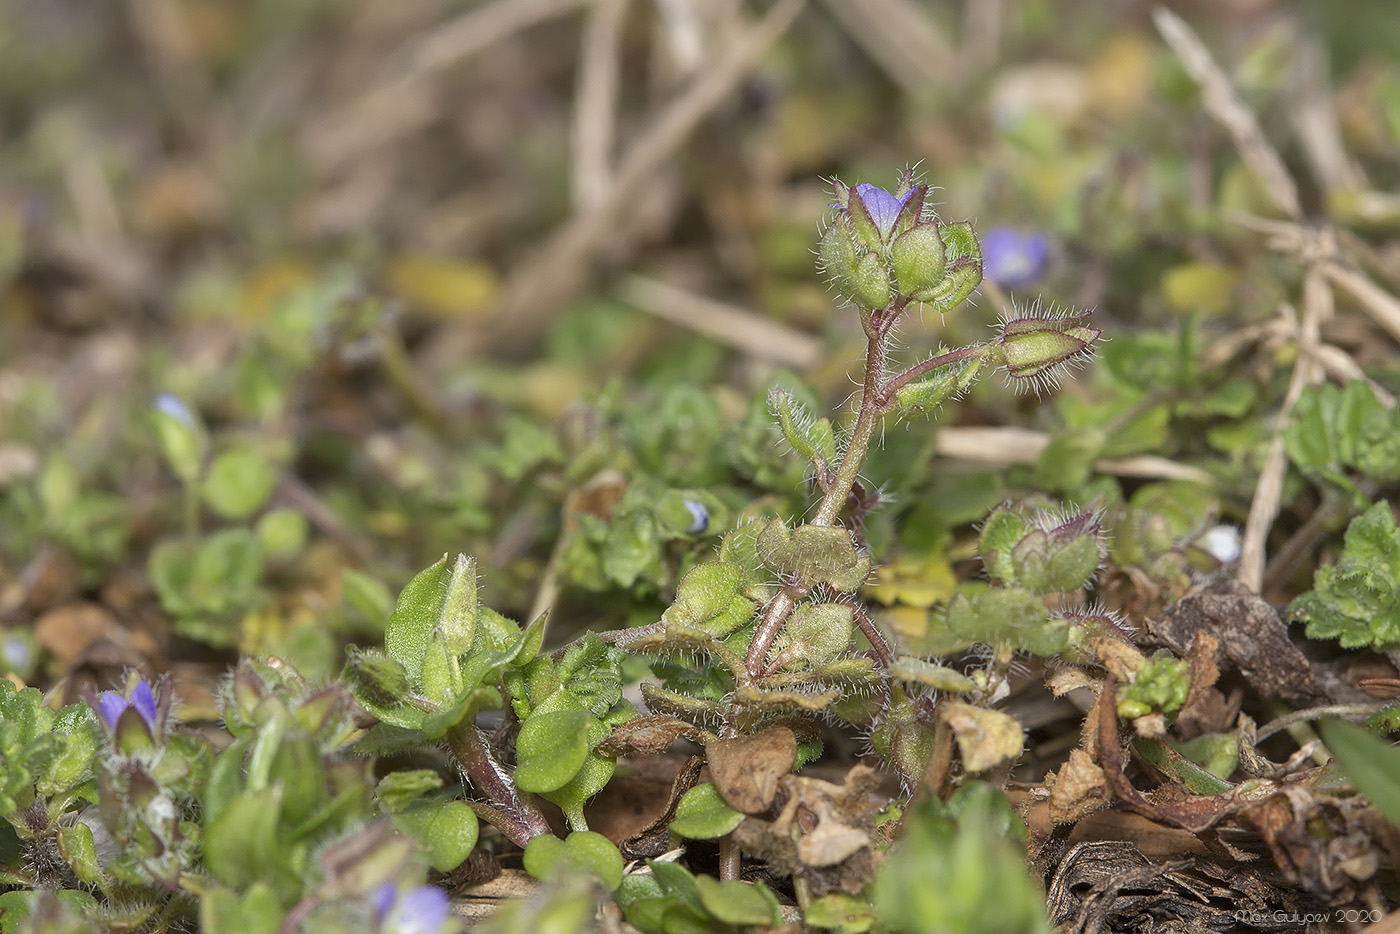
(917, 259)
(815, 553)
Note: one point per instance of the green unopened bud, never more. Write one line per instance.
(917, 259)
(458, 615)
(962, 269)
(869, 284)
(1000, 533)
(183, 439)
(1035, 350)
(709, 599)
(857, 275)
(836, 253)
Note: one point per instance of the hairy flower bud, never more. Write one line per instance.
(1035, 349)
(917, 259)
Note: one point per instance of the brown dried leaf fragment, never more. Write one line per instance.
(650, 735)
(821, 834)
(1252, 635)
(986, 738)
(746, 769)
(1079, 789)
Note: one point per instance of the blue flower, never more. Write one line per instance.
(1013, 259)
(111, 705)
(884, 207)
(422, 910)
(700, 516)
(175, 407)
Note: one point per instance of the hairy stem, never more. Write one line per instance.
(521, 819)
(838, 490)
(886, 394)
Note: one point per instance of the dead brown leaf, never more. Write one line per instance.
(1080, 788)
(746, 769)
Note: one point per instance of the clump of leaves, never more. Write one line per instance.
(1357, 600)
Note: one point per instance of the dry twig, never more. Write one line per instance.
(1225, 106)
(537, 286)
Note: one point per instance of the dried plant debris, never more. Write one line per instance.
(1253, 639)
(1110, 885)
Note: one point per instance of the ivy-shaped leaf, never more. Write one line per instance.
(1357, 601)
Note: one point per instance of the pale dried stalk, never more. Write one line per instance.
(558, 267)
(404, 100)
(759, 337)
(1010, 445)
(595, 103)
(1381, 305)
(1268, 492)
(1224, 105)
(901, 38)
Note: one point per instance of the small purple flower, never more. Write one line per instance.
(175, 407)
(699, 514)
(112, 704)
(422, 910)
(1012, 258)
(884, 207)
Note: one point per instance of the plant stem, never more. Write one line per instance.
(729, 864)
(838, 491)
(191, 506)
(523, 820)
(886, 393)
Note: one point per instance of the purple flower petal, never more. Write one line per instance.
(383, 899)
(699, 514)
(175, 407)
(1013, 259)
(110, 707)
(884, 207)
(144, 700)
(418, 911)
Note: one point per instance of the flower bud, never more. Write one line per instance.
(917, 259)
(1036, 349)
(857, 275)
(182, 437)
(1060, 554)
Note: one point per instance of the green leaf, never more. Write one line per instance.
(589, 780)
(845, 914)
(551, 748)
(447, 831)
(76, 845)
(701, 814)
(239, 483)
(543, 855)
(240, 845)
(256, 911)
(813, 438)
(398, 790)
(582, 851)
(438, 599)
(1372, 764)
(1358, 600)
(738, 902)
